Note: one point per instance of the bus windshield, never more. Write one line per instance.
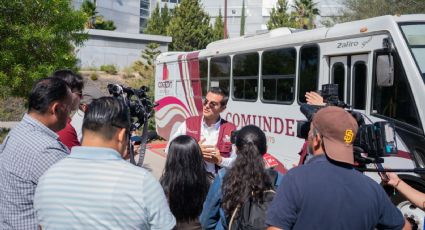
(415, 38)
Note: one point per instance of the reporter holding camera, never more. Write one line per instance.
(94, 187)
(328, 192)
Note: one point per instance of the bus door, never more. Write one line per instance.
(350, 73)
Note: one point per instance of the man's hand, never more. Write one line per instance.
(210, 153)
(314, 98)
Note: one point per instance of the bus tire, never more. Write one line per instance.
(414, 214)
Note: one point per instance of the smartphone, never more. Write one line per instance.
(383, 175)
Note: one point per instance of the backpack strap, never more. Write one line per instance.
(274, 176)
(234, 216)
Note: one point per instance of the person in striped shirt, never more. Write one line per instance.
(94, 187)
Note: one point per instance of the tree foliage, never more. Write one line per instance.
(93, 19)
(149, 54)
(302, 16)
(279, 16)
(158, 21)
(218, 31)
(305, 12)
(189, 27)
(362, 9)
(242, 30)
(36, 38)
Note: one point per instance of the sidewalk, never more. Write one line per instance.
(8, 124)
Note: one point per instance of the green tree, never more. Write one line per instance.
(362, 9)
(166, 15)
(158, 21)
(305, 12)
(218, 31)
(242, 30)
(155, 24)
(279, 16)
(189, 27)
(36, 38)
(149, 54)
(94, 20)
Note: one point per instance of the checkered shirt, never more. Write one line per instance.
(25, 154)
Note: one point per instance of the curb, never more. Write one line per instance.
(8, 124)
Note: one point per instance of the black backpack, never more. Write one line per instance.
(251, 215)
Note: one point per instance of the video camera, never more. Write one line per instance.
(372, 141)
(141, 108)
(140, 105)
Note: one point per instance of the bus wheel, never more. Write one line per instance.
(412, 213)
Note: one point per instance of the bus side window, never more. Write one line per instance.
(278, 75)
(245, 76)
(359, 85)
(220, 72)
(308, 71)
(395, 101)
(338, 77)
(203, 75)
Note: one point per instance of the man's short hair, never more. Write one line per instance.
(105, 115)
(74, 80)
(44, 92)
(222, 92)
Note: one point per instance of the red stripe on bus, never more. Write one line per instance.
(193, 64)
(170, 100)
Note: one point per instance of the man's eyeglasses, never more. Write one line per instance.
(210, 103)
(79, 94)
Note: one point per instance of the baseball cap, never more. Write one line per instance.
(338, 129)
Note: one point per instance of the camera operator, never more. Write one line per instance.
(95, 187)
(327, 192)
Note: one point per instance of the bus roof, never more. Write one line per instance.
(285, 36)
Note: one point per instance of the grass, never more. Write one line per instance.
(3, 134)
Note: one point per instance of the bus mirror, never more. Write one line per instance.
(385, 70)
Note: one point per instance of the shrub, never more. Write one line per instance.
(128, 72)
(111, 69)
(94, 76)
(3, 133)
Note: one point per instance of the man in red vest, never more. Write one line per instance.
(211, 131)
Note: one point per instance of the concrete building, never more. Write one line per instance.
(120, 49)
(123, 46)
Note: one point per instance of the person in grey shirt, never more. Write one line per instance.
(30, 149)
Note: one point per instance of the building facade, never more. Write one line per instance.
(123, 46)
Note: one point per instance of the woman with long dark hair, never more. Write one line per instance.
(248, 177)
(185, 181)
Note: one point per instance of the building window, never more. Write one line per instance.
(144, 14)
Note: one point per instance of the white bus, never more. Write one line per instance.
(268, 74)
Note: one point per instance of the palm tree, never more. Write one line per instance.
(305, 11)
(89, 9)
